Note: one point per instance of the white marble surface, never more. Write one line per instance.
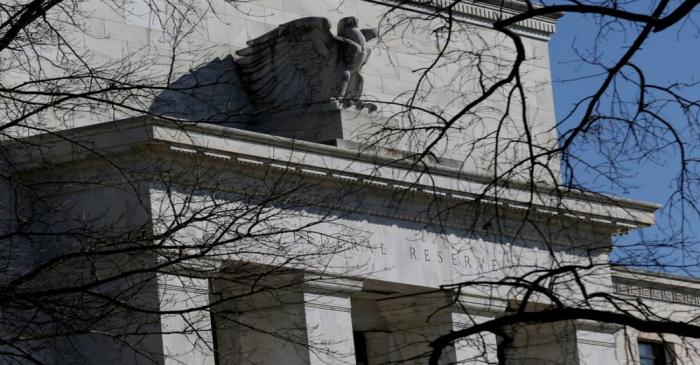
(143, 34)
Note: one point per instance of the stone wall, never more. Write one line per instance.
(151, 43)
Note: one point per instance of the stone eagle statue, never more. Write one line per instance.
(302, 63)
(289, 82)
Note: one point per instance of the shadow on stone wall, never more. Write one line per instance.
(215, 93)
(211, 93)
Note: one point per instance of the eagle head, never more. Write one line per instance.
(347, 22)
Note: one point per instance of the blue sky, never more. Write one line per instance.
(671, 56)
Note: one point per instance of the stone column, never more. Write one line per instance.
(596, 343)
(476, 349)
(328, 320)
(295, 319)
(187, 335)
(565, 342)
(412, 323)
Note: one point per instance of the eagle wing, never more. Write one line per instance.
(296, 64)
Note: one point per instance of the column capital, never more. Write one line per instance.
(593, 326)
(312, 283)
(482, 306)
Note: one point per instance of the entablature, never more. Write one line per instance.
(333, 163)
(656, 286)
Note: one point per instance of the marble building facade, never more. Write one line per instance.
(357, 239)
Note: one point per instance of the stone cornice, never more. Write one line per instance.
(482, 12)
(669, 279)
(323, 161)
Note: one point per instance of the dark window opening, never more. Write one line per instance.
(652, 353)
(360, 348)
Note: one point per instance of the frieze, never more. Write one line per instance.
(439, 255)
(656, 292)
(515, 209)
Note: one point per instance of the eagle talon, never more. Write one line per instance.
(371, 107)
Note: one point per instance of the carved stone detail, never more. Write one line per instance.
(302, 64)
(656, 292)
